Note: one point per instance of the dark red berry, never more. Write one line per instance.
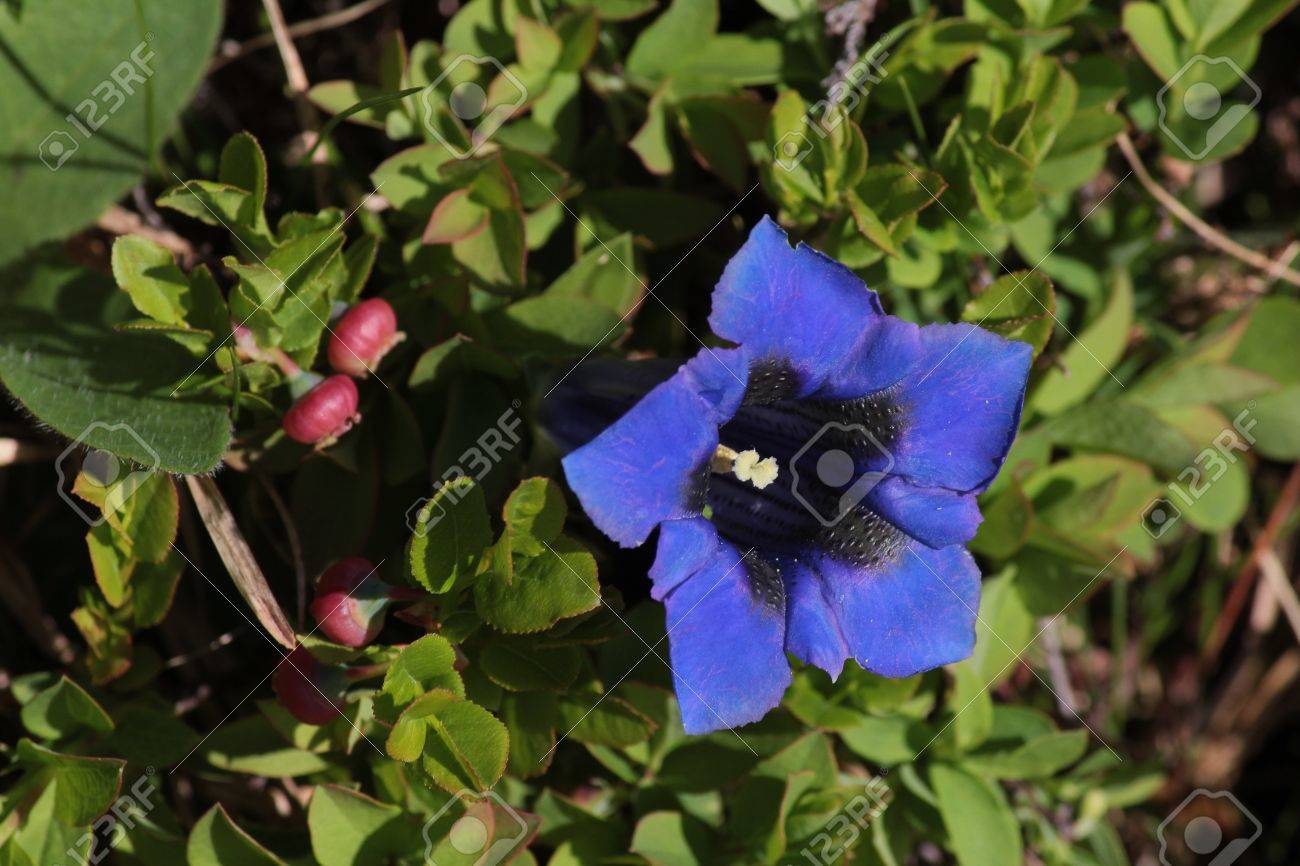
(324, 413)
(310, 691)
(362, 337)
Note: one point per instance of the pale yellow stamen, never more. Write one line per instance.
(745, 465)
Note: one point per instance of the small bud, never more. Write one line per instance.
(324, 413)
(310, 691)
(362, 337)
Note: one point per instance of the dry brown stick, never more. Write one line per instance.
(238, 557)
(302, 28)
(1237, 597)
(1215, 238)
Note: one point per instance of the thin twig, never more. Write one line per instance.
(295, 31)
(1215, 238)
(18, 593)
(1236, 599)
(1276, 580)
(298, 85)
(120, 221)
(295, 544)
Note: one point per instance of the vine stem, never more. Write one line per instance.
(1275, 269)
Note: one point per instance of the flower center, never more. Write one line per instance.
(746, 465)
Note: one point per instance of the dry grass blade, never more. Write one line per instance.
(237, 556)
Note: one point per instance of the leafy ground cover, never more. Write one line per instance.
(290, 570)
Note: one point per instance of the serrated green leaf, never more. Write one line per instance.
(451, 536)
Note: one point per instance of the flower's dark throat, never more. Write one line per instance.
(830, 453)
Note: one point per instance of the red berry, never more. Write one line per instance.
(350, 602)
(311, 692)
(362, 337)
(324, 413)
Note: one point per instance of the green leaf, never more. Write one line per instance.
(460, 745)
(83, 787)
(351, 829)
(1019, 305)
(887, 740)
(428, 663)
(671, 839)
(62, 710)
(606, 274)
(981, 827)
(684, 29)
(60, 356)
(217, 841)
(251, 745)
(451, 535)
(98, 121)
(530, 718)
(244, 165)
(1087, 361)
(603, 720)
(534, 515)
(554, 325)
(148, 273)
(1121, 427)
(542, 590)
(524, 667)
(1039, 758)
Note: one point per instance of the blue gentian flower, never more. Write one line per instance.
(813, 487)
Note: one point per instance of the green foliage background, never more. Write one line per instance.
(976, 172)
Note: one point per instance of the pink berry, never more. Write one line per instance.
(310, 691)
(324, 413)
(362, 337)
(350, 603)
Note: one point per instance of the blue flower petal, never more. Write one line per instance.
(647, 466)
(932, 515)
(685, 546)
(885, 354)
(791, 305)
(726, 638)
(962, 402)
(812, 629)
(915, 614)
